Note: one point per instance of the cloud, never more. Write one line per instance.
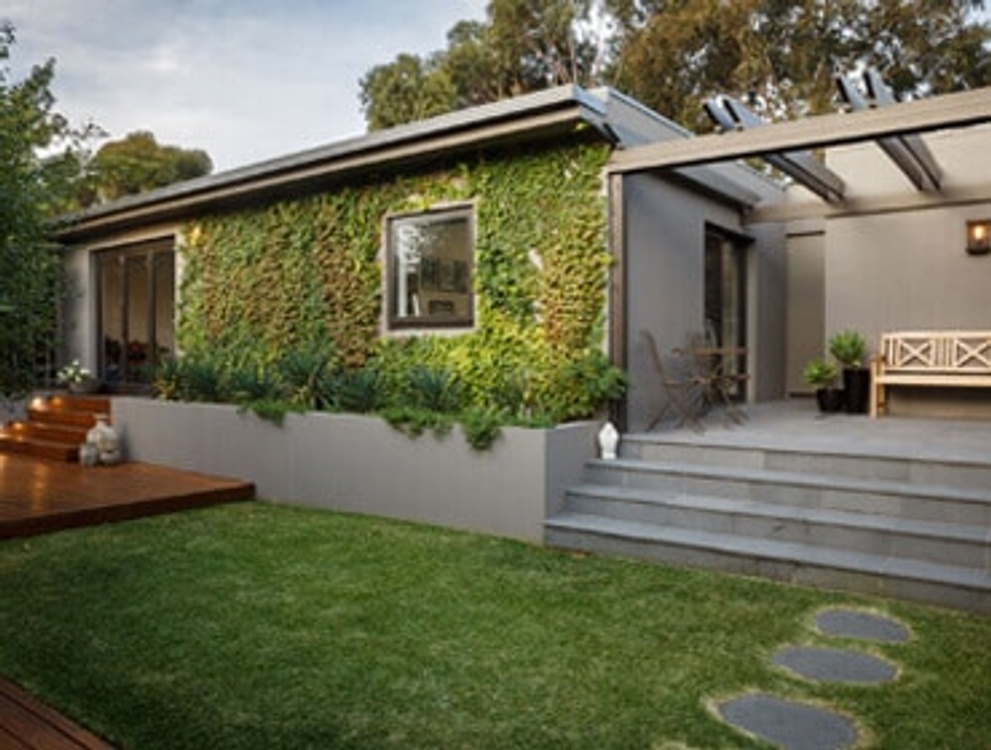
(245, 80)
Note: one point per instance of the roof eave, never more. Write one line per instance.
(538, 116)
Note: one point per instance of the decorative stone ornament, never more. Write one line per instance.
(106, 439)
(89, 454)
(608, 441)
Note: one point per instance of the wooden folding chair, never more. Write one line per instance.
(684, 392)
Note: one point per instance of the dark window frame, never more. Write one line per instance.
(462, 277)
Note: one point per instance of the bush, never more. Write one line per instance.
(412, 396)
(849, 348)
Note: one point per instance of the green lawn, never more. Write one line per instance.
(260, 626)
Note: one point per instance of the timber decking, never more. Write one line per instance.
(55, 426)
(27, 724)
(38, 496)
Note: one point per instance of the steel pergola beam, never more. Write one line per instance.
(957, 110)
(801, 166)
(909, 152)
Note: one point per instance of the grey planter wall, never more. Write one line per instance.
(361, 464)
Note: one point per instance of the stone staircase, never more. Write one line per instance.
(55, 426)
(916, 528)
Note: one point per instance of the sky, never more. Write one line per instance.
(244, 80)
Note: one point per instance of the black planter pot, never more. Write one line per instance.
(857, 385)
(830, 400)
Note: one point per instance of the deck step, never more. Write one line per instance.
(929, 582)
(811, 490)
(46, 431)
(909, 523)
(55, 426)
(58, 451)
(936, 541)
(919, 464)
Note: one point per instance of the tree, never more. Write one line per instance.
(522, 46)
(138, 163)
(32, 189)
(778, 55)
(405, 90)
(782, 56)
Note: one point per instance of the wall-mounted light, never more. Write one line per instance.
(979, 237)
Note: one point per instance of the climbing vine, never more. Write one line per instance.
(306, 274)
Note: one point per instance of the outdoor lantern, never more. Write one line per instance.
(979, 237)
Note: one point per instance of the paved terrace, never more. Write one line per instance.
(798, 424)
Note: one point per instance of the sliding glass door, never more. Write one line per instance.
(137, 311)
(726, 301)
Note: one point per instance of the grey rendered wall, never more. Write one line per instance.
(905, 271)
(900, 263)
(806, 309)
(361, 464)
(664, 237)
(768, 319)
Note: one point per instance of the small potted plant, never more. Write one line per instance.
(850, 350)
(77, 378)
(821, 374)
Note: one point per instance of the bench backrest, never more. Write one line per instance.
(952, 352)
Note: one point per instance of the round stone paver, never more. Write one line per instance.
(834, 665)
(788, 724)
(853, 624)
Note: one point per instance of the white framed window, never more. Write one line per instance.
(429, 269)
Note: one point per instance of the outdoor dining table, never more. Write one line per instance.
(717, 373)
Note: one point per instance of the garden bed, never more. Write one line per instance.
(361, 464)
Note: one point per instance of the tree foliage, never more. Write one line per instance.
(522, 46)
(32, 188)
(135, 164)
(782, 57)
(673, 54)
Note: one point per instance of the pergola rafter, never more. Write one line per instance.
(957, 110)
(909, 152)
(801, 166)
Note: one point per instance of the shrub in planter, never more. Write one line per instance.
(850, 350)
(821, 375)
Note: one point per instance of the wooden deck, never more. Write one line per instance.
(38, 496)
(27, 724)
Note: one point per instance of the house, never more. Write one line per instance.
(514, 241)
(481, 227)
(699, 244)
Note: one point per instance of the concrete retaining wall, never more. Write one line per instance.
(361, 464)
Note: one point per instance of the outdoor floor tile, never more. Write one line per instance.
(834, 665)
(788, 724)
(850, 623)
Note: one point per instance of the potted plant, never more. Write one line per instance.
(821, 375)
(77, 378)
(850, 350)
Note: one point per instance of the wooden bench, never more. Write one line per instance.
(954, 359)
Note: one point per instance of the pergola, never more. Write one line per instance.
(896, 128)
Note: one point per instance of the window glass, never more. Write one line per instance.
(430, 269)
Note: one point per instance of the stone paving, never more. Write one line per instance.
(796, 725)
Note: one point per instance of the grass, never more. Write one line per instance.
(260, 626)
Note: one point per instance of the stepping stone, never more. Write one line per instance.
(834, 665)
(789, 724)
(852, 624)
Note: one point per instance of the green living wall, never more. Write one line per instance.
(306, 275)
